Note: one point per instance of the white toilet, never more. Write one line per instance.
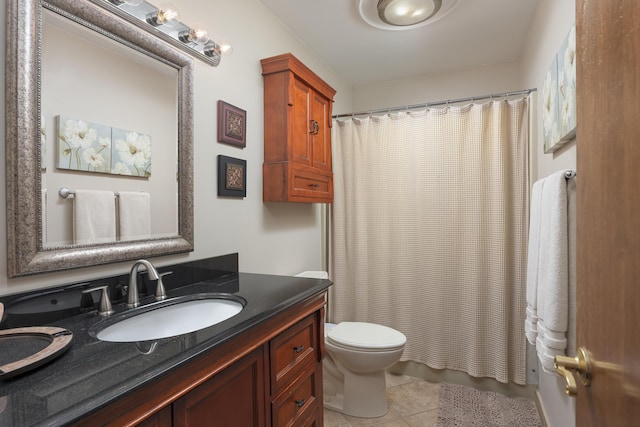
(354, 369)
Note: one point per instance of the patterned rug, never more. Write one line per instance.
(461, 406)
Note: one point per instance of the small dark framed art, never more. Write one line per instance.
(232, 125)
(232, 176)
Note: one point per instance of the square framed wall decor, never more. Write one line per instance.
(232, 176)
(232, 125)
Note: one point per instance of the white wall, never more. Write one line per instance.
(550, 26)
(496, 78)
(270, 238)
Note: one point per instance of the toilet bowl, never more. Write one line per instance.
(354, 368)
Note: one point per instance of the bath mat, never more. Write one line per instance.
(461, 406)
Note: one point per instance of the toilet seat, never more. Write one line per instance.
(365, 336)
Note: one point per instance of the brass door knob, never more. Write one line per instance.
(580, 364)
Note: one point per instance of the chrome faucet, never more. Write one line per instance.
(132, 294)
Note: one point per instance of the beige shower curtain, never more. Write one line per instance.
(428, 234)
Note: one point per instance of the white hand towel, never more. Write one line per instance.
(134, 215)
(94, 217)
(531, 321)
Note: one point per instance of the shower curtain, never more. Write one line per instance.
(428, 232)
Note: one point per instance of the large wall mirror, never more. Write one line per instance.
(93, 104)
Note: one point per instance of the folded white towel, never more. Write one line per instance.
(571, 213)
(134, 215)
(533, 263)
(553, 276)
(553, 271)
(94, 216)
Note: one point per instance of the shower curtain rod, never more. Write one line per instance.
(431, 104)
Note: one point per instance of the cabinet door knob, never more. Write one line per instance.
(298, 349)
(300, 402)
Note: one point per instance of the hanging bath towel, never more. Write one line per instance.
(134, 215)
(94, 217)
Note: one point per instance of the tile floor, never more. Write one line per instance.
(412, 402)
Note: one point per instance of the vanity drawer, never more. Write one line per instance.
(293, 351)
(297, 405)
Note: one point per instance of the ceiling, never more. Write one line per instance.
(473, 33)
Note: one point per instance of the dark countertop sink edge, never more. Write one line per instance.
(232, 329)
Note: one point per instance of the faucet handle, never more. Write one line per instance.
(161, 293)
(104, 306)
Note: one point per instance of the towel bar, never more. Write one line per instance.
(65, 193)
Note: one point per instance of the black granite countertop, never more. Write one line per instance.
(93, 373)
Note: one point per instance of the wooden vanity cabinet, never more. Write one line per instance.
(270, 376)
(297, 133)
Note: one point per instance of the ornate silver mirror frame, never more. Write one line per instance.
(25, 252)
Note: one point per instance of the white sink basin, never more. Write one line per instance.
(171, 318)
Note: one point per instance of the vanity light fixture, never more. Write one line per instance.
(407, 12)
(164, 22)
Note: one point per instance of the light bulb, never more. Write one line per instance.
(226, 48)
(167, 14)
(212, 50)
(197, 34)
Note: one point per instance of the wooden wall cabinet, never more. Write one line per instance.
(297, 133)
(270, 376)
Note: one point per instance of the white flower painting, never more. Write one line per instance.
(131, 153)
(550, 105)
(559, 96)
(83, 146)
(567, 86)
(92, 147)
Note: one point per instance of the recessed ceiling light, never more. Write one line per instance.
(403, 14)
(407, 12)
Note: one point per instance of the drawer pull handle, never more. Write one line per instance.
(300, 402)
(314, 128)
(314, 185)
(298, 349)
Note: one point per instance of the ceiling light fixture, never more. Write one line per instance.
(407, 12)
(398, 15)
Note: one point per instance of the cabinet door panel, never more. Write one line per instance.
(321, 142)
(299, 123)
(235, 397)
(162, 418)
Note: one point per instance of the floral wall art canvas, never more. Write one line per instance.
(131, 153)
(83, 146)
(567, 86)
(92, 147)
(559, 96)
